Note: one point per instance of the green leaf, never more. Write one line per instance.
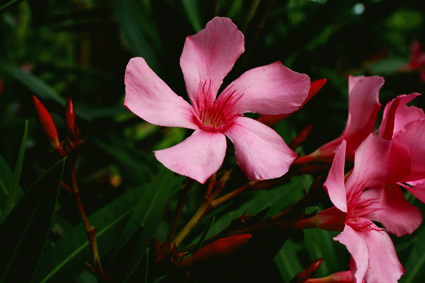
(121, 260)
(5, 179)
(24, 232)
(130, 159)
(14, 192)
(279, 198)
(150, 208)
(287, 262)
(39, 87)
(9, 5)
(201, 240)
(320, 244)
(139, 270)
(65, 260)
(386, 66)
(192, 12)
(133, 35)
(416, 262)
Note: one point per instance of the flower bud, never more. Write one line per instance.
(70, 116)
(273, 119)
(221, 248)
(339, 277)
(300, 138)
(47, 123)
(331, 219)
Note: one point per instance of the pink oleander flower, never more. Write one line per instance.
(363, 107)
(405, 125)
(339, 277)
(206, 59)
(358, 201)
(416, 60)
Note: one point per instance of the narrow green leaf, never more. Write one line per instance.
(150, 208)
(133, 35)
(39, 87)
(5, 179)
(192, 11)
(121, 260)
(320, 244)
(137, 272)
(14, 192)
(201, 240)
(66, 258)
(287, 262)
(9, 5)
(159, 279)
(24, 232)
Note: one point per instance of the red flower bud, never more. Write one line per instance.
(300, 138)
(273, 119)
(217, 249)
(340, 277)
(70, 116)
(47, 123)
(221, 248)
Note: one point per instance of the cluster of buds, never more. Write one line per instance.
(66, 148)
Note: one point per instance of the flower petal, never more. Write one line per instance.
(384, 265)
(418, 191)
(377, 162)
(397, 114)
(147, 96)
(413, 139)
(273, 89)
(210, 54)
(393, 211)
(335, 183)
(198, 157)
(363, 107)
(352, 81)
(358, 249)
(260, 151)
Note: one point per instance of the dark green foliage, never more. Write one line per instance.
(25, 229)
(79, 49)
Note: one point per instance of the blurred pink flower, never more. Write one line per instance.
(363, 107)
(378, 164)
(206, 59)
(416, 60)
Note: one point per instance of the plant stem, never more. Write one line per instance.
(184, 193)
(232, 194)
(205, 207)
(90, 231)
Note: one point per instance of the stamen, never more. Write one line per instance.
(215, 115)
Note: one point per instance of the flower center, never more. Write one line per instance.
(215, 115)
